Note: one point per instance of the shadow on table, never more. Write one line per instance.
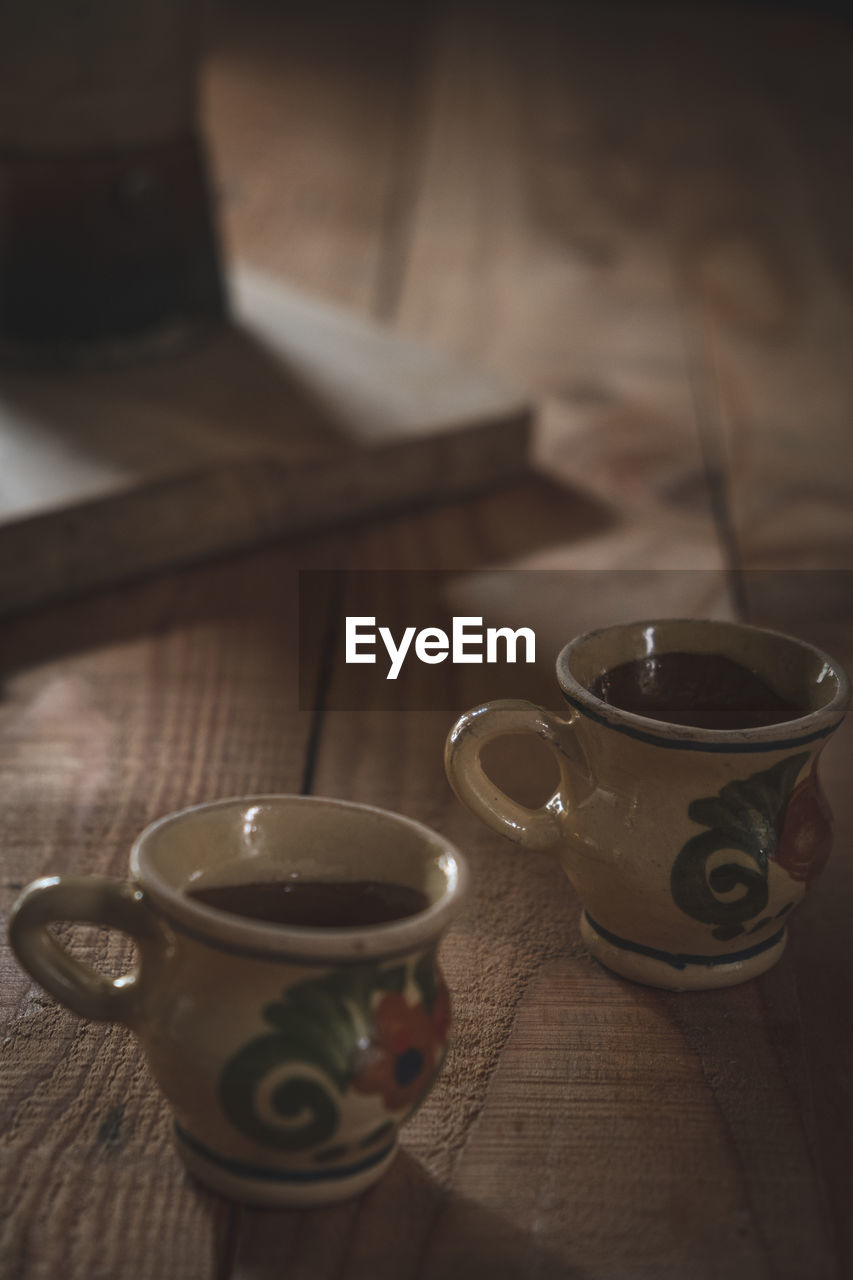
(260, 585)
(407, 1225)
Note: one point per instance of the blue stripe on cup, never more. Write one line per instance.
(293, 1176)
(680, 959)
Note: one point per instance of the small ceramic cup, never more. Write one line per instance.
(290, 1055)
(688, 846)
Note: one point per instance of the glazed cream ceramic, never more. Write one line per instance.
(688, 847)
(290, 1055)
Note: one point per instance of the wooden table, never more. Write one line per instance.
(641, 214)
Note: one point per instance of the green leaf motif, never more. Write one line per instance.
(426, 977)
(302, 1100)
(746, 815)
(318, 1023)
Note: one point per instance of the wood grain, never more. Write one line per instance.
(639, 215)
(118, 711)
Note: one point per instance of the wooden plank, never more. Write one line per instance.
(312, 120)
(767, 298)
(620, 1107)
(302, 417)
(533, 249)
(114, 712)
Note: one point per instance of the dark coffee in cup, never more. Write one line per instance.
(704, 690)
(315, 904)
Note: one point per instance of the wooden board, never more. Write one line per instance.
(298, 416)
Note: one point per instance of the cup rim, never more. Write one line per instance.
(812, 725)
(305, 943)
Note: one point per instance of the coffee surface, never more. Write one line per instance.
(702, 690)
(316, 904)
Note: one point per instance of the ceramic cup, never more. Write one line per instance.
(290, 1055)
(688, 847)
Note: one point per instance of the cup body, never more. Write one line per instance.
(290, 1055)
(688, 847)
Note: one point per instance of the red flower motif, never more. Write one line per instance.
(400, 1060)
(806, 837)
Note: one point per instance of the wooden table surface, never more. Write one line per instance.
(641, 214)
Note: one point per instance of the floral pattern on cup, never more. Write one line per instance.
(406, 1050)
(805, 841)
(286, 1088)
(769, 819)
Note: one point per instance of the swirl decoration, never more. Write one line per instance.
(307, 1109)
(747, 816)
(318, 1026)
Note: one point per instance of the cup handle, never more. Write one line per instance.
(534, 828)
(85, 900)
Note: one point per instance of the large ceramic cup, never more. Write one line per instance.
(688, 846)
(290, 1055)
